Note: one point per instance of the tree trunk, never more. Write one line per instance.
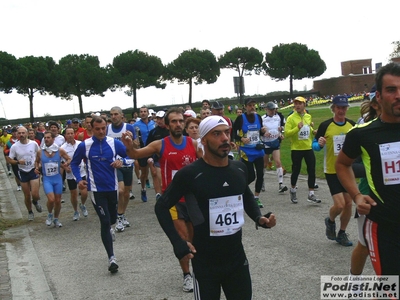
(190, 91)
(291, 84)
(134, 99)
(80, 106)
(30, 96)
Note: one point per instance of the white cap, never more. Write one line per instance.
(151, 111)
(160, 114)
(210, 123)
(190, 113)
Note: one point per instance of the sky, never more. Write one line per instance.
(339, 31)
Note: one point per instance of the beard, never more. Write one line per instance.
(175, 134)
(217, 153)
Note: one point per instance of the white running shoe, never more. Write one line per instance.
(57, 223)
(84, 210)
(125, 222)
(188, 283)
(49, 219)
(19, 188)
(120, 226)
(76, 216)
(31, 216)
(112, 265)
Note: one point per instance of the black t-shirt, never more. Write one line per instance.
(210, 186)
(378, 143)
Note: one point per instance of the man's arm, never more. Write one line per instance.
(131, 151)
(253, 211)
(345, 174)
(169, 198)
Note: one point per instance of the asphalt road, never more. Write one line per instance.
(65, 263)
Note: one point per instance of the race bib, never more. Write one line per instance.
(390, 159)
(338, 141)
(304, 132)
(51, 168)
(28, 160)
(274, 135)
(226, 215)
(253, 136)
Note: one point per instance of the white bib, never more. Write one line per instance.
(338, 141)
(51, 168)
(226, 215)
(390, 159)
(304, 132)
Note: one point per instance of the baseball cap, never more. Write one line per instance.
(75, 120)
(249, 100)
(372, 92)
(340, 101)
(69, 122)
(299, 98)
(190, 113)
(151, 111)
(270, 105)
(217, 105)
(160, 114)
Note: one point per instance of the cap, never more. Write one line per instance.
(249, 100)
(276, 106)
(301, 99)
(210, 123)
(160, 114)
(270, 105)
(69, 122)
(217, 105)
(75, 120)
(372, 92)
(190, 113)
(151, 111)
(340, 101)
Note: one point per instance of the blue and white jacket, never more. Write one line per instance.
(99, 155)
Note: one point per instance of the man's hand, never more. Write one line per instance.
(116, 164)
(268, 222)
(364, 203)
(82, 184)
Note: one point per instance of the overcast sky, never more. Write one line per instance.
(339, 31)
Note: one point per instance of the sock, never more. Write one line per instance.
(341, 231)
(311, 193)
(185, 274)
(293, 190)
(279, 173)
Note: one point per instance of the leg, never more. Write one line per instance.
(297, 157)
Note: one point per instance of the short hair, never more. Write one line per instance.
(205, 100)
(176, 110)
(69, 128)
(191, 120)
(97, 119)
(51, 133)
(118, 109)
(391, 69)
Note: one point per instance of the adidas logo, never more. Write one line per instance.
(221, 121)
(225, 184)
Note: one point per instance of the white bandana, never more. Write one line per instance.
(50, 149)
(209, 123)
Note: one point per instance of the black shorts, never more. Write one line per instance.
(143, 162)
(125, 174)
(335, 187)
(179, 212)
(27, 176)
(72, 185)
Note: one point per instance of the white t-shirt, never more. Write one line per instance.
(26, 152)
(70, 149)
